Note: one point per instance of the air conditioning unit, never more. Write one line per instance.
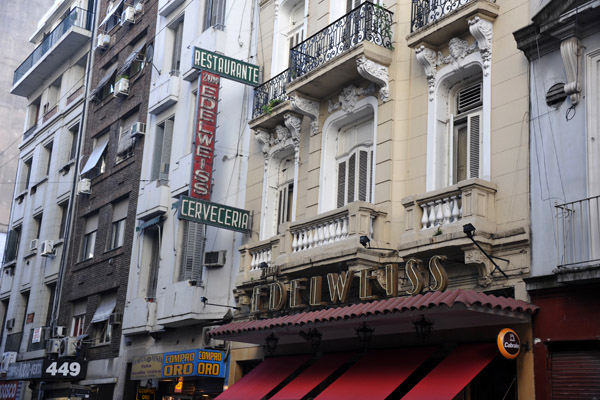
(122, 87)
(47, 248)
(84, 186)
(103, 41)
(115, 319)
(213, 259)
(128, 16)
(208, 342)
(8, 358)
(138, 129)
(53, 346)
(10, 323)
(33, 245)
(139, 7)
(68, 347)
(59, 332)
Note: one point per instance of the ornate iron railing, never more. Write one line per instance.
(366, 22)
(77, 17)
(270, 93)
(424, 12)
(578, 231)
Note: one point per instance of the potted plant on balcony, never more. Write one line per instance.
(268, 108)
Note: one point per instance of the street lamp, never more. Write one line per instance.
(364, 333)
(423, 327)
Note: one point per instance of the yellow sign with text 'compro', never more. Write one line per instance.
(194, 363)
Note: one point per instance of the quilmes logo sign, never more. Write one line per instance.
(226, 67)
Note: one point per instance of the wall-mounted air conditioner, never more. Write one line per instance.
(68, 346)
(47, 248)
(213, 259)
(53, 346)
(8, 358)
(33, 245)
(138, 129)
(59, 332)
(115, 319)
(84, 186)
(10, 323)
(128, 16)
(103, 41)
(122, 87)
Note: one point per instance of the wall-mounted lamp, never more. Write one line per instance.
(313, 337)
(423, 327)
(469, 230)
(364, 333)
(263, 265)
(366, 243)
(204, 301)
(271, 343)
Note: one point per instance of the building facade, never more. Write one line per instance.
(389, 187)
(52, 79)
(562, 45)
(182, 272)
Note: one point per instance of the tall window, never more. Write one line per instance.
(96, 162)
(214, 14)
(74, 133)
(48, 149)
(177, 34)
(101, 327)
(78, 320)
(26, 173)
(12, 246)
(63, 209)
(285, 191)
(465, 127)
(37, 225)
(354, 163)
(88, 242)
(192, 251)
(296, 25)
(34, 112)
(152, 237)
(162, 151)
(117, 231)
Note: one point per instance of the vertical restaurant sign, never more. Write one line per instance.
(204, 139)
(210, 363)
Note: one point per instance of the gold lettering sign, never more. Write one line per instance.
(257, 299)
(277, 296)
(339, 286)
(366, 276)
(440, 277)
(414, 273)
(316, 288)
(296, 286)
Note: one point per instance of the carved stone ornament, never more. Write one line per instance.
(428, 59)
(376, 73)
(294, 125)
(263, 137)
(481, 30)
(307, 107)
(484, 266)
(349, 97)
(570, 51)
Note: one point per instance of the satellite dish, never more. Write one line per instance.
(149, 53)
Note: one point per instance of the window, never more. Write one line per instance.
(126, 140)
(177, 33)
(52, 96)
(101, 328)
(113, 16)
(214, 14)
(354, 163)
(117, 230)
(102, 333)
(465, 128)
(74, 132)
(78, 320)
(162, 151)
(152, 238)
(34, 113)
(12, 245)
(296, 25)
(106, 85)
(135, 61)
(26, 173)
(88, 241)
(96, 162)
(192, 251)
(64, 209)
(37, 226)
(285, 191)
(48, 149)
(108, 88)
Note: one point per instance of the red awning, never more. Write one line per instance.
(312, 376)
(450, 376)
(376, 375)
(264, 378)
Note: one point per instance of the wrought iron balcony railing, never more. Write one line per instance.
(367, 22)
(270, 93)
(578, 231)
(77, 17)
(424, 12)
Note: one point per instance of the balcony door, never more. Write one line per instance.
(290, 31)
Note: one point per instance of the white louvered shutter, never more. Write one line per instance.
(351, 178)
(341, 188)
(474, 129)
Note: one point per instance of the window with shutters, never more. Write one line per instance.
(354, 163)
(119, 217)
(296, 25)
(88, 242)
(78, 320)
(12, 245)
(465, 128)
(162, 151)
(214, 14)
(126, 143)
(285, 191)
(192, 251)
(176, 32)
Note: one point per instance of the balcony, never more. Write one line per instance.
(64, 41)
(164, 94)
(140, 316)
(578, 232)
(437, 217)
(325, 239)
(327, 61)
(435, 22)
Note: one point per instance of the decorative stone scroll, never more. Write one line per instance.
(570, 51)
(349, 97)
(484, 266)
(376, 73)
(481, 30)
(307, 107)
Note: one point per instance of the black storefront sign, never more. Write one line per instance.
(64, 370)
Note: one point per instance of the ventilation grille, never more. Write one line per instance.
(556, 95)
(469, 98)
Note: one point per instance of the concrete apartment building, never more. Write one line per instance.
(390, 160)
(562, 44)
(52, 80)
(182, 273)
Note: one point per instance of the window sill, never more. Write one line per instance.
(21, 196)
(67, 167)
(99, 345)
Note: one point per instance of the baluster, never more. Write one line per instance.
(269, 257)
(325, 233)
(424, 217)
(460, 208)
(371, 220)
(431, 216)
(345, 227)
(338, 229)
(310, 238)
(331, 231)
(252, 261)
(304, 239)
(447, 212)
(439, 215)
(295, 242)
(455, 210)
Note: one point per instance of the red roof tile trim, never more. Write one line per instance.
(429, 300)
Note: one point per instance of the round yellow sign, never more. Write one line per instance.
(509, 343)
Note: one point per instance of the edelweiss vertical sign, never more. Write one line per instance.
(204, 139)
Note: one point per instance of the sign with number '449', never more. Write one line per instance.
(64, 369)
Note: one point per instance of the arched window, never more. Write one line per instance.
(354, 162)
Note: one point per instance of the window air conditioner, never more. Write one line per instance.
(33, 245)
(115, 319)
(8, 358)
(214, 259)
(122, 87)
(59, 332)
(138, 129)
(84, 186)
(47, 248)
(53, 346)
(10, 323)
(139, 7)
(68, 347)
(103, 41)
(128, 16)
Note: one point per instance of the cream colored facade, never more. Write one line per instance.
(437, 122)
